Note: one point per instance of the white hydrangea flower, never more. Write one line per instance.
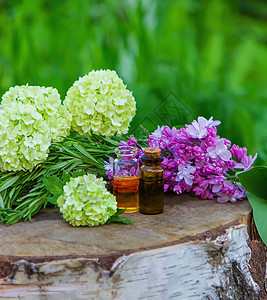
(25, 138)
(86, 202)
(31, 117)
(100, 102)
(46, 101)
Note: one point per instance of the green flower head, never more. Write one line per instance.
(46, 102)
(86, 201)
(25, 138)
(100, 102)
(31, 117)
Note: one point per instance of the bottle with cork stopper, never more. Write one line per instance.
(151, 188)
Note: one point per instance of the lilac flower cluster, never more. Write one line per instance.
(198, 160)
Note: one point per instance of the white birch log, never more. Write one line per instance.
(204, 265)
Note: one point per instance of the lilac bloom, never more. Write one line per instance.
(198, 129)
(109, 165)
(238, 152)
(246, 163)
(164, 163)
(171, 164)
(167, 132)
(122, 143)
(166, 186)
(177, 189)
(156, 143)
(207, 169)
(109, 168)
(158, 132)
(183, 135)
(209, 123)
(212, 131)
(132, 142)
(217, 184)
(219, 150)
(223, 197)
(206, 195)
(227, 143)
(186, 173)
(198, 190)
(217, 188)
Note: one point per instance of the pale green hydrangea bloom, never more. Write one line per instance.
(24, 137)
(31, 117)
(86, 201)
(46, 101)
(100, 102)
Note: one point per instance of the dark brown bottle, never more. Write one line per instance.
(151, 188)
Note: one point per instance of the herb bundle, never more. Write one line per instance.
(23, 193)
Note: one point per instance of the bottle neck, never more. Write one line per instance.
(127, 157)
(151, 161)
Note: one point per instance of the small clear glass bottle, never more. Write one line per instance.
(126, 179)
(151, 189)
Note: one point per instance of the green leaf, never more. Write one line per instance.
(2, 205)
(78, 173)
(54, 185)
(255, 181)
(85, 153)
(6, 184)
(66, 177)
(52, 200)
(119, 211)
(145, 131)
(259, 206)
(117, 219)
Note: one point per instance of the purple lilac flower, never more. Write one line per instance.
(232, 195)
(246, 163)
(158, 132)
(109, 168)
(122, 143)
(197, 159)
(199, 128)
(132, 142)
(219, 150)
(238, 152)
(186, 173)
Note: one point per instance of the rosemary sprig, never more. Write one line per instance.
(23, 193)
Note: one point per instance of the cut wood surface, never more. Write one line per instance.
(196, 249)
(184, 216)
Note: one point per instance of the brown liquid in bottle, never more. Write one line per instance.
(151, 190)
(126, 190)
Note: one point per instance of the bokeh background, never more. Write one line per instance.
(181, 58)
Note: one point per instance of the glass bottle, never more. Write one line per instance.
(151, 189)
(126, 179)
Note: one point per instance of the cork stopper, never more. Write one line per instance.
(152, 153)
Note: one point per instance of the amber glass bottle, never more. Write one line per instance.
(126, 179)
(151, 188)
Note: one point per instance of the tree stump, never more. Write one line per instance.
(196, 249)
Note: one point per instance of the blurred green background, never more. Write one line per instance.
(181, 58)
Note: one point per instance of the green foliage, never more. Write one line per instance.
(254, 181)
(55, 186)
(212, 55)
(117, 219)
(24, 193)
(259, 207)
